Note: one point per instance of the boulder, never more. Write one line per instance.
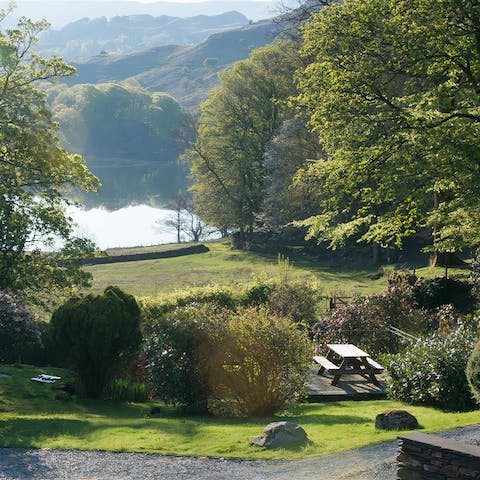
(281, 434)
(396, 420)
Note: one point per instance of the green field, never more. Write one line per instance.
(32, 416)
(224, 266)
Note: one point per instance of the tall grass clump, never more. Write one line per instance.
(124, 391)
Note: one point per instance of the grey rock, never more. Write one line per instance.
(396, 420)
(281, 434)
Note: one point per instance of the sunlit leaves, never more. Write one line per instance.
(237, 121)
(35, 172)
(392, 89)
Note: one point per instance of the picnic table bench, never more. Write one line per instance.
(353, 361)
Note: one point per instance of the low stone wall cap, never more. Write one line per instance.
(442, 443)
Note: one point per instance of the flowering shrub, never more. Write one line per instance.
(19, 333)
(431, 371)
(365, 321)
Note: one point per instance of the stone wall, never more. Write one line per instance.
(135, 257)
(428, 457)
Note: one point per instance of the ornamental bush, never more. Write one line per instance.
(97, 336)
(20, 336)
(431, 371)
(296, 300)
(366, 320)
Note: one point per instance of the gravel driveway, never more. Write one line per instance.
(368, 463)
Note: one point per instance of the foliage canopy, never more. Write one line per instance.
(391, 87)
(236, 123)
(35, 173)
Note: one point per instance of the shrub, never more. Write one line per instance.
(473, 372)
(258, 293)
(435, 292)
(432, 371)
(154, 308)
(20, 336)
(97, 336)
(258, 360)
(366, 321)
(295, 300)
(177, 374)
(402, 278)
(251, 361)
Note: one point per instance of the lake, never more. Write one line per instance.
(126, 227)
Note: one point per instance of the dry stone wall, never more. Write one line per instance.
(428, 457)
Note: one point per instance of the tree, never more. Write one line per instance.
(391, 89)
(236, 123)
(116, 118)
(184, 220)
(290, 150)
(35, 173)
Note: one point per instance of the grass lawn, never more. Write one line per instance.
(223, 266)
(32, 416)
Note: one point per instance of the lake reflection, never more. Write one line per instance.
(127, 227)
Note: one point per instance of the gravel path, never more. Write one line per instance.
(368, 463)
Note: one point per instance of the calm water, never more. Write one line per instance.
(127, 227)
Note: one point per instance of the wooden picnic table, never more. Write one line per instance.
(352, 360)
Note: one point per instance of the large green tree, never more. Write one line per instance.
(236, 123)
(35, 174)
(392, 88)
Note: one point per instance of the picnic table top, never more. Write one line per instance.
(347, 350)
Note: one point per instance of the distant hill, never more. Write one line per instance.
(61, 12)
(85, 38)
(188, 73)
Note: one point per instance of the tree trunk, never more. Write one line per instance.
(179, 225)
(447, 259)
(250, 231)
(377, 253)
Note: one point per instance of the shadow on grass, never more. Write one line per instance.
(26, 432)
(29, 432)
(302, 418)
